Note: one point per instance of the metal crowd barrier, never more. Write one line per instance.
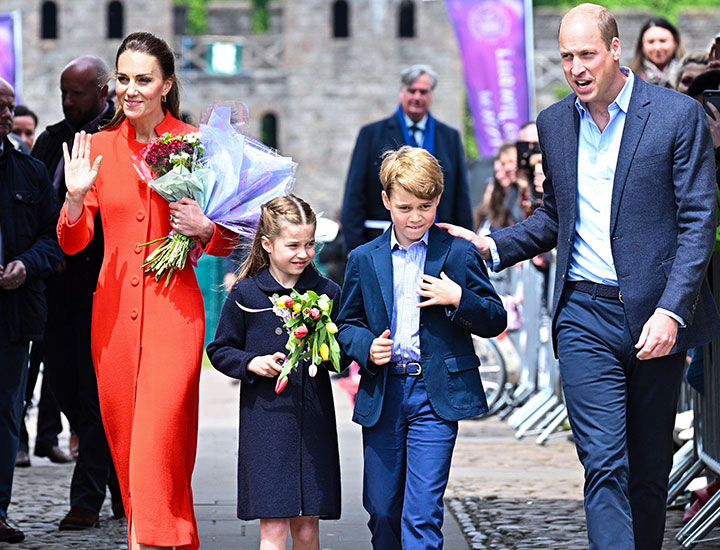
(691, 460)
(535, 405)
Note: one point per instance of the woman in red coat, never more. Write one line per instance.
(147, 339)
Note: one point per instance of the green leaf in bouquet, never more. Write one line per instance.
(334, 352)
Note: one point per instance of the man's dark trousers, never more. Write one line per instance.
(72, 378)
(13, 378)
(622, 412)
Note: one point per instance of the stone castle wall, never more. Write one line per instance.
(321, 89)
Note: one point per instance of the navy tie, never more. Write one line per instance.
(413, 140)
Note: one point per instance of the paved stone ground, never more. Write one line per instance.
(515, 495)
(505, 494)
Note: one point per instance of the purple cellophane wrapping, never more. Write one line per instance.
(247, 173)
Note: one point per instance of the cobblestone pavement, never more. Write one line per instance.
(505, 494)
(515, 495)
(41, 499)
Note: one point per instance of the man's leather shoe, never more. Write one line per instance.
(78, 519)
(9, 533)
(22, 460)
(55, 454)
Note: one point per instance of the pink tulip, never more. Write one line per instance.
(289, 303)
(280, 384)
(314, 313)
(312, 370)
(301, 332)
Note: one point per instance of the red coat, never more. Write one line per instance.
(147, 342)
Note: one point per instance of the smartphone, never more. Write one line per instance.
(711, 96)
(525, 149)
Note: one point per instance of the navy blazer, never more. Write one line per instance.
(449, 363)
(362, 199)
(662, 219)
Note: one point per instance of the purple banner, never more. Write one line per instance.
(493, 45)
(7, 48)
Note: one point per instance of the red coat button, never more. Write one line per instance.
(142, 184)
(134, 313)
(134, 281)
(138, 249)
(140, 215)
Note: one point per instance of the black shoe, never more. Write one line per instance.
(22, 460)
(78, 519)
(55, 454)
(9, 533)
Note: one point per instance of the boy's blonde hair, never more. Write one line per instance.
(414, 170)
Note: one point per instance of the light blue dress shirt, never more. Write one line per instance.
(591, 258)
(408, 265)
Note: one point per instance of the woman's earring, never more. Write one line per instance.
(163, 99)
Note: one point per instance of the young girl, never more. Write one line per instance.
(288, 465)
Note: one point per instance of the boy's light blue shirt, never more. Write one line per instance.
(408, 265)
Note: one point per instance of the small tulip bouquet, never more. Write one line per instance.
(311, 333)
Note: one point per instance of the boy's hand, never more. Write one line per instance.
(267, 365)
(381, 348)
(443, 291)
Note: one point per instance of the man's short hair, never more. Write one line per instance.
(21, 110)
(411, 74)
(414, 170)
(605, 21)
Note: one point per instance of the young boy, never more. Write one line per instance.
(410, 301)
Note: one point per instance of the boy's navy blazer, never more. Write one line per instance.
(449, 363)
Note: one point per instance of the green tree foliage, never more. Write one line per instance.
(665, 8)
(197, 16)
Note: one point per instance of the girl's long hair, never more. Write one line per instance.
(286, 209)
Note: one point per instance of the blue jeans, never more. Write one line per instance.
(622, 412)
(13, 377)
(407, 464)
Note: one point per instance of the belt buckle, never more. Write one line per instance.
(419, 371)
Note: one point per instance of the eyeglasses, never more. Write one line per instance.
(9, 106)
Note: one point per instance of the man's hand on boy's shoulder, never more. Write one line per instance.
(479, 241)
(381, 348)
(439, 292)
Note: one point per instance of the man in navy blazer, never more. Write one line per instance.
(629, 201)
(410, 302)
(363, 215)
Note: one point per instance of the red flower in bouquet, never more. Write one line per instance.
(178, 155)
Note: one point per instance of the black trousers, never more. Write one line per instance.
(49, 423)
(69, 368)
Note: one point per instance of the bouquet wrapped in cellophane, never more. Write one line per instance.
(229, 174)
(311, 333)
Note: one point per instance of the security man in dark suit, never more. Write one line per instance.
(363, 215)
(28, 252)
(68, 362)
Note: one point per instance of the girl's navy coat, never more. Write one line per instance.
(288, 462)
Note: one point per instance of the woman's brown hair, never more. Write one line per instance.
(286, 209)
(150, 44)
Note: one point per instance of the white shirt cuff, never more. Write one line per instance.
(494, 260)
(672, 315)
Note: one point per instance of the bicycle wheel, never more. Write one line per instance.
(492, 368)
